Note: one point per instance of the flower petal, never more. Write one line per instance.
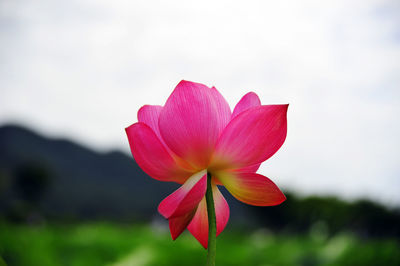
(252, 188)
(149, 115)
(192, 120)
(221, 210)
(251, 137)
(249, 169)
(248, 100)
(178, 224)
(151, 155)
(186, 198)
(198, 227)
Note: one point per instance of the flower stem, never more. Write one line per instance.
(212, 224)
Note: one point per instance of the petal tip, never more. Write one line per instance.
(174, 236)
(252, 93)
(183, 81)
(187, 82)
(285, 108)
(175, 233)
(282, 199)
(140, 111)
(161, 212)
(129, 127)
(279, 199)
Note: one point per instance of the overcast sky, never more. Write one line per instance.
(82, 69)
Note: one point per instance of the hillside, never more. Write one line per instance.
(64, 179)
(44, 179)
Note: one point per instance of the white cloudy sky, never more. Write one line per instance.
(81, 69)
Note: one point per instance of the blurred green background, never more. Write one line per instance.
(123, 245)
(63, 204)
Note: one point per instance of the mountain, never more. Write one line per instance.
(57, 180)
(62, 179)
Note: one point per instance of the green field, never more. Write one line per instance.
(120, 245)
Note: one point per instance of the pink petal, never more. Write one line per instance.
(221, 210)
(198, 227)
(186, 198)
(249, 100)
(251, 137)
(249, 169)
(178, 225)
(252, 188)
(192, 120)
(149, 115)
(151, 155)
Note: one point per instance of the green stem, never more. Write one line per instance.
(212, 224)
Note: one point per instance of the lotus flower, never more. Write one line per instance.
(195, 132)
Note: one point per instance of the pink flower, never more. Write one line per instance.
(195, 132)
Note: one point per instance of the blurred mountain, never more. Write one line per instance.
(60, 179)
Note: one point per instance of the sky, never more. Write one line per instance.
(81, 70)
